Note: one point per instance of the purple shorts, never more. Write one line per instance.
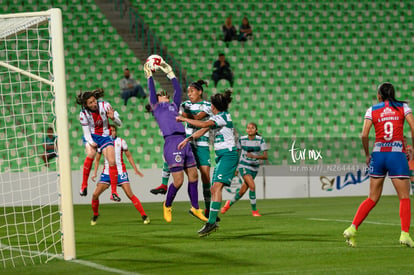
(178, 160)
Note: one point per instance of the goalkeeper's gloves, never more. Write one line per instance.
(167, 69)
(147, 71)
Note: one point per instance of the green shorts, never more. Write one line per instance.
(202, 155)
(226, 165)
(245, 171)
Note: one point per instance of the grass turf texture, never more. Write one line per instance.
(293, 236)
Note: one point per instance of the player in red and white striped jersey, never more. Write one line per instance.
(388, 156)
(94, 118)
(121, 147)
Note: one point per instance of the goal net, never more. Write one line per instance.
(36, 212)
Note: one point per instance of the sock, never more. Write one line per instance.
(236, 197)
(193, 193)
(95, 207)
(165, 182)
(252, 196)
(207, 196)
(165, 178)
(363, 211)
(87, 165)
(405, 214)
(113, 176)
(138, 205)
(172, 191)
(214, 209)
(165, 175)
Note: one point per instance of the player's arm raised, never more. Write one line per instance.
(151, 85)
(112, 114)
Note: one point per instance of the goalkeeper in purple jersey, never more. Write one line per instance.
(173, 132)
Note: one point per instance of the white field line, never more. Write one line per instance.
(349, 221)
(81, 262)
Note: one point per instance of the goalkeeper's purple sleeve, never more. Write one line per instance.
(177, 92)
(152, 91)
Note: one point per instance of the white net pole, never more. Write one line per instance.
(36, 211)
(68, 229)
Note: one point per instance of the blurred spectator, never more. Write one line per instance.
(245, 30)
(229, 30)
(130, 87)
(49, 146)
(222, 70)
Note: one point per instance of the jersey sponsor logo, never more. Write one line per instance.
(387, 112)
(398, 144)
(98, 123)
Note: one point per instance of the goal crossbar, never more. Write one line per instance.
(10, 25)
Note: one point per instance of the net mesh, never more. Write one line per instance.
(29, 196)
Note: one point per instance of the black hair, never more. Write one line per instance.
(248, 24)
(255, 126)
(222, 100)
(163, 93)
(82, 97)
(148, 108)
(387, 92)
(221, 54)
(199, 84)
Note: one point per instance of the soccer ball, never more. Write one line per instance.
(154, 62)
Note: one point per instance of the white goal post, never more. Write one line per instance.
(33, 99)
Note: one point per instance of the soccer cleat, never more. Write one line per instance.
(83, 192)
(207, 229)
(198, 213)
(162, 189)
(256, 213)
(167, 213)
(115, 197)
(94, 219)
(146, 219)
(406, 240)
(225, 208)
(349, 235)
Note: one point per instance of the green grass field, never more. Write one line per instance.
(294, 236)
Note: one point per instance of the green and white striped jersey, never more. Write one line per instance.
(223, 132)
(194, 109)
(255, 146)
